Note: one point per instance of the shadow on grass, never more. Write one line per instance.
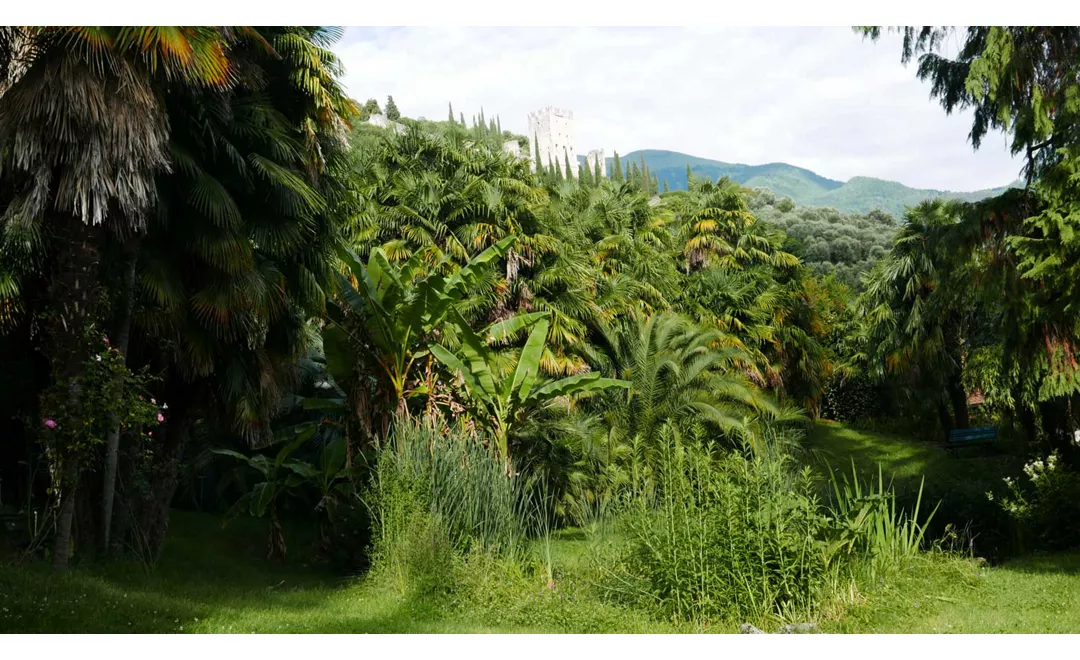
(208, 580)
(1046, 564)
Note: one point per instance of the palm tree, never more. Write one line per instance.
(85, 134)
(223, 297)
(918, 308)
(681, 375)
(716, 226)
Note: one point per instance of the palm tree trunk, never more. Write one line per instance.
(112, 450)
(945, 418)
(74, 297)
(69, 481)
(958, 399)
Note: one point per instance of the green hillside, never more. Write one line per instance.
(859, 195)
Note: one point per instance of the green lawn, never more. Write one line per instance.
(214, 580)
(211, 579)
(1037, 594)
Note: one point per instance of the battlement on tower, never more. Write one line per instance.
(551, 111)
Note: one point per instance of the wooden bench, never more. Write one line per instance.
(981, 435)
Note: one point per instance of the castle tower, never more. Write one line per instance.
(553, 130)
(592, 158)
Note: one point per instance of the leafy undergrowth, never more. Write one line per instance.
(212, 581)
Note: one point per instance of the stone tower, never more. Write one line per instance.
(592, 158)
(553, 130)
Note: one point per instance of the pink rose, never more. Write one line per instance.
(50, 424)
(160, 417)
(106, 340)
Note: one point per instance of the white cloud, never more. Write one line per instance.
(819, 98)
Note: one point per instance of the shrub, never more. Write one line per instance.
(851, 399)
(1046, 512)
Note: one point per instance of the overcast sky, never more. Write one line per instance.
(819, 98)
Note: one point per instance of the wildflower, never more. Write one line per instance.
(153, 401)
(160, 417)
(164, 406)
(106, 341)
(98, 358)
(50, 424)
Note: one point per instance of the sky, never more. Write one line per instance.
(819, 98)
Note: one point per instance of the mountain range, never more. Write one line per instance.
(859, 194)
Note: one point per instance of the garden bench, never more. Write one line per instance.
(981, 435)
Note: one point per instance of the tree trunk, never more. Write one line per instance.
(164, 477)
(112, 450)
(945, 418)
(73, 301)
(1027, 421)
(69, 482)
(958, 399)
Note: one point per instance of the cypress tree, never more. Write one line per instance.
(585, 175)
(498, 124)
(634, 176)
(655, 183)
(558, 171)
(598, 173)
(491, 125)
(536, 154)
(665, 185)
(370, 108)
(392, 112)
(569, 170)
(463, 119)
(616, 172)
(689, 176)
(451, 119)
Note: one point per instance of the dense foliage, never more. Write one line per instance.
(440, 350)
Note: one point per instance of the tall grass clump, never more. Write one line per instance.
(436, 497)
(723, 537)
(867, 528)
(738, 536)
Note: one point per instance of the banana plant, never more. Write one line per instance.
(386, 319)
(286, 477)
(500, 401)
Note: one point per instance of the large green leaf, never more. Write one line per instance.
(340, 354)
(476, 356)
(456, 364)
(589, 382)
(262, 495)
(503, 330)
(305, 470)
(529, 362)
(469, 274)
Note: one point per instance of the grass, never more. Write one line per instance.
(906, 460)
(211, 580)
(1035, 594)
(215, 580)
(958, 481)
